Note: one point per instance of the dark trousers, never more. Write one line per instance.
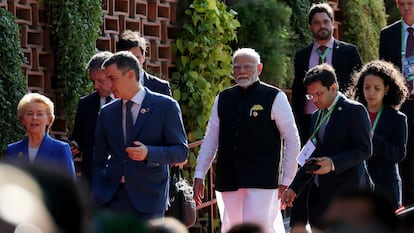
(308, 206)
(121, 204)
(407, 165)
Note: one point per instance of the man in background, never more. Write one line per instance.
(397, 47)
(83, 136)
(325, 48)
(137, 45)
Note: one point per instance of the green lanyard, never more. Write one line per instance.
(324, 118)
(377, 119)
(323, 56)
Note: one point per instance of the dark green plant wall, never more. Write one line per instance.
(361, 25)
(12, 80)
(203, 60)
(74, 30)
(265, 26)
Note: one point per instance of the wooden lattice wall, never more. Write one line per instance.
(155, 19)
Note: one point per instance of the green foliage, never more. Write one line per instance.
(265, 27)
(203, 61)
(363, 20)
(392, 11)
(299, 24)
(12, 81)
(74, 31)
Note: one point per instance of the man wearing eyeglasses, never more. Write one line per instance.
(339, 144)
(246, 128)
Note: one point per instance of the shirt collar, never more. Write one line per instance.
(329, 44)
(338, 95)
(138, 97)
(405, 25)
(141, 77)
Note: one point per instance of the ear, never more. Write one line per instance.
(131, 74)
(334, 87)
(386, 90)
(259, 68)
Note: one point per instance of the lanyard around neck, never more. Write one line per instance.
(377, 119)
(323, 56)
(321, 121)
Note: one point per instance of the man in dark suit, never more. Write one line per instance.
(83, 135)
(137, 45)
(137, 137)
(342, 56)
(339, 144)
(395, 46)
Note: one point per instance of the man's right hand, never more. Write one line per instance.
(288, 197)
(198, 188)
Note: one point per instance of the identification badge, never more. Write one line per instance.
(408, 68)
(306, 152)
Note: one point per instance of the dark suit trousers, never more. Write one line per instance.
(407, 165)
(308, 206)
(121, 204)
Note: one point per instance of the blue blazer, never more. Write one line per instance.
(52, 154)
(389, 148)
(347, 141)
(160, 127)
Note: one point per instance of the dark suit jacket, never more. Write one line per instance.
(390, 50)
(347, 141)
(389, 148)
(390, 44)
(52, 154)
(161, 129)
(84, 130)
(345, 60)
(156, 84)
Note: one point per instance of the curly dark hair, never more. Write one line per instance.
(392, 77)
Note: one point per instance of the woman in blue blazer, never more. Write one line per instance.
(36, 114)
(380, 87)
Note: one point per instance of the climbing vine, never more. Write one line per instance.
(74, 30)
(203, 61)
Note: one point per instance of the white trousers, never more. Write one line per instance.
(260, 206)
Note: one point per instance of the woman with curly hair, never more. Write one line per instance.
(381, 88)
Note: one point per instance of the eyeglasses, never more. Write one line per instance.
(317, 95)
(246, 67)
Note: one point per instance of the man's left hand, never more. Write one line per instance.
(326, 165)
(139, 152)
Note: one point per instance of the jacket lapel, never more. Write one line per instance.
(117, 128)
(23, 152)
(144, 114)
(44, 151)
(336, 53)
(333, 120)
